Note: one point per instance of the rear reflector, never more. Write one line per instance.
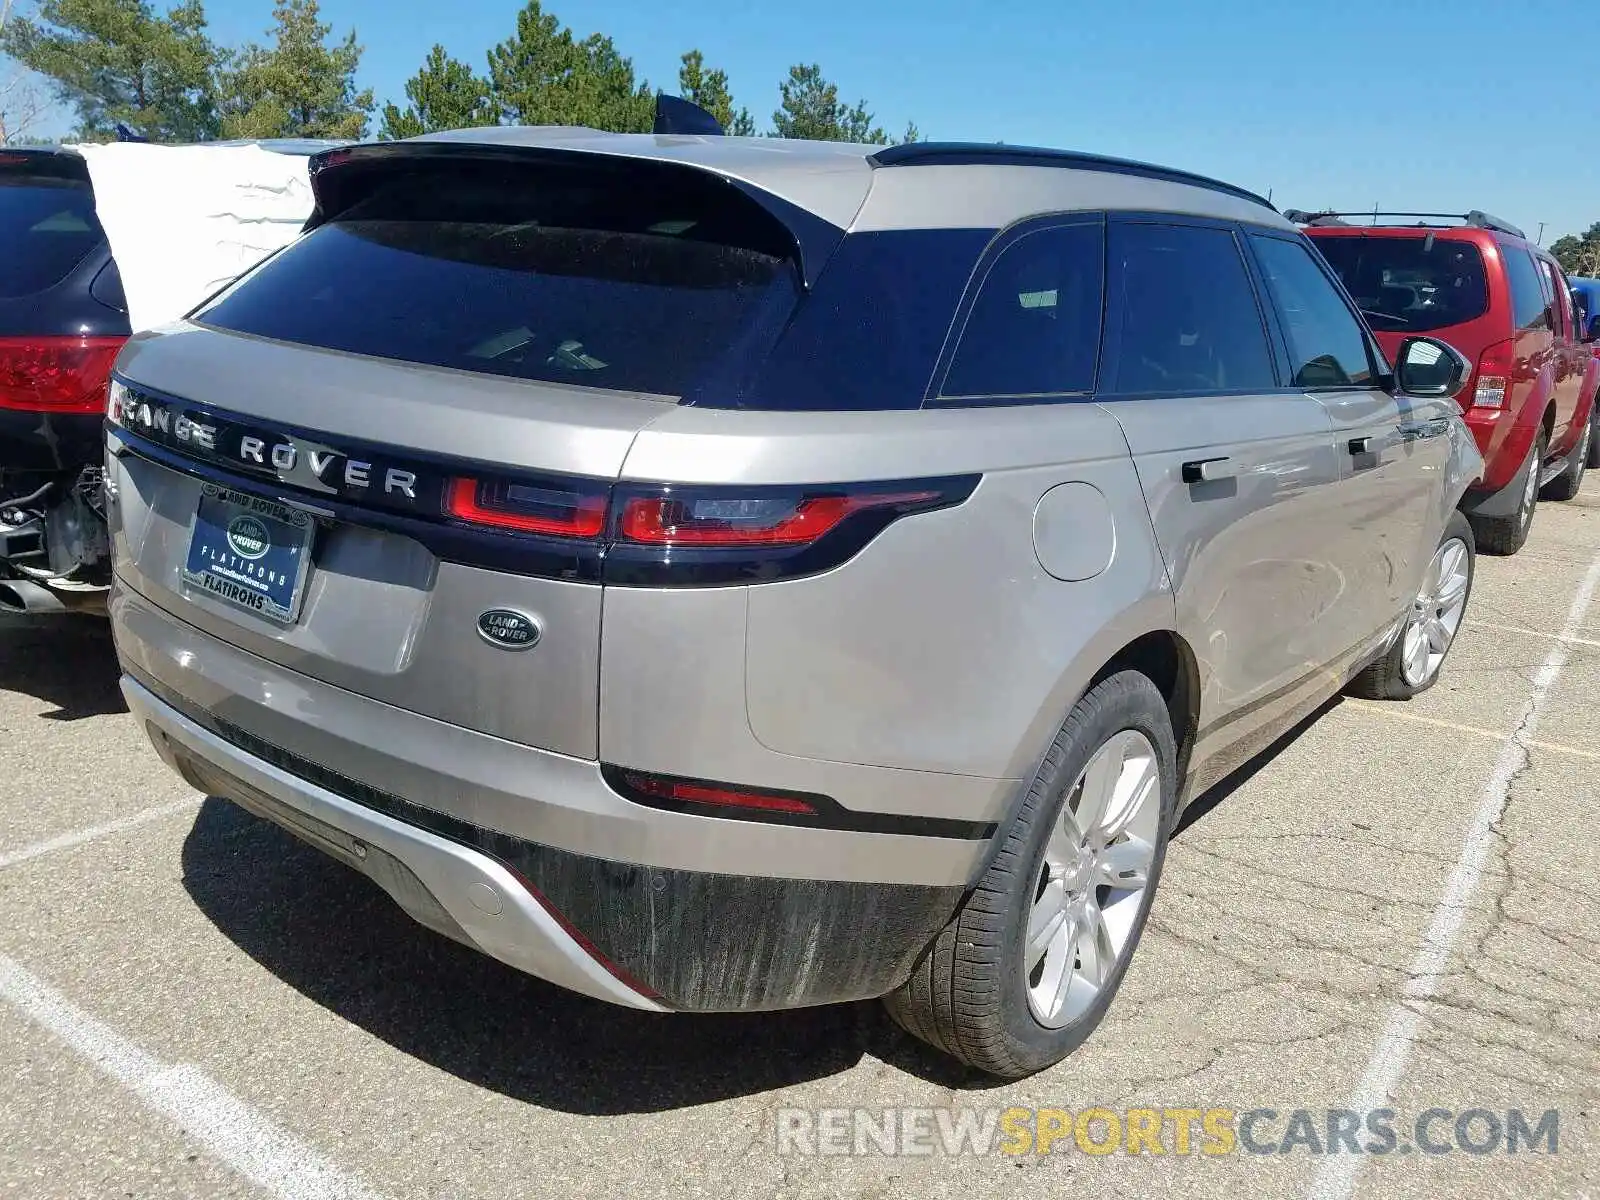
(696, 793)
(57, 374)
(524, 508)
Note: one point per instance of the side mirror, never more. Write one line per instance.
(1428, 367)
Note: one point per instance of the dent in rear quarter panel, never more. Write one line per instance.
(946, 646)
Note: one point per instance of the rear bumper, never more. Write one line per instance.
(633, 935)
(1504, 444)
(529, 856)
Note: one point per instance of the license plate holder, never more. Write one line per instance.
(250, 552)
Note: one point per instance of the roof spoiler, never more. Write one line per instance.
(675, 115)
(342, 176)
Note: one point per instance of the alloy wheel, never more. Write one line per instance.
(1097, 865)
(1436, 613)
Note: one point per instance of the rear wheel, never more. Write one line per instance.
(1565, 486)
(1028, 966)
(1412, 664)
(1506, 535)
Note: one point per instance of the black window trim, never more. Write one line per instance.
(1275, 352)
(1377, 362)
(1003, 240)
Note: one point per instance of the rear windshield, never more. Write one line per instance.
(47, 227)
(560, 276)
(1410, 284)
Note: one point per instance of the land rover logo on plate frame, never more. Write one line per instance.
(507, 629)
(248, 537)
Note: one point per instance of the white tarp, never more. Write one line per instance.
(184, 220)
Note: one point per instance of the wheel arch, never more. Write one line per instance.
(1144, 640)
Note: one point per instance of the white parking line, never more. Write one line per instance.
(1392, 712)
(1526, 632)
(79, 836)
(1337, 1178)
(226, 1126)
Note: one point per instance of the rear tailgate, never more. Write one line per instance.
(444, 377)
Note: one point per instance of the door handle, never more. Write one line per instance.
(1208, 470)
(1365, 445)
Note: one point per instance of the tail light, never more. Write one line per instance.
(761, 520)
(1493, 375)
(57, 374)
(667, 535)
(526, 508)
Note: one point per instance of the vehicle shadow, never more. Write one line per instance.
(338, 939)
(67, 661)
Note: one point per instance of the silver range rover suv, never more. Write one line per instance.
(720, 574)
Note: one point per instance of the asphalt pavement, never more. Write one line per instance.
(1395, 909)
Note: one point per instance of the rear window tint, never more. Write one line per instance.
(558, 277)
(1529, 307)
(1407, 285)
(1034, 328)
(47, 228)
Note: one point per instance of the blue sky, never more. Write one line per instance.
(1439, 105)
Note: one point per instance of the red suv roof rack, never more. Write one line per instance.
(1477, 219)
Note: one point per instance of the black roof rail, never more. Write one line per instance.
(962, 154)
(1477, 218)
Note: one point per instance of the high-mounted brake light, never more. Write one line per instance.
(1495, 366)
(57, 374)
(524, 508)
(707, 521)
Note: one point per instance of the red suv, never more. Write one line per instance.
(1483, 286)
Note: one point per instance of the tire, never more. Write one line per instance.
(1388, 678)
(1507, 535)
(970, 994)
(1565, 486)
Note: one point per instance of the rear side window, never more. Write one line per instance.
(47, 227)
(1034, 327)
(1558, 296)
(868, 335)
(1529, 308)
(558, 275)
(1183, 315)
(1327, 344)
(1410, 285)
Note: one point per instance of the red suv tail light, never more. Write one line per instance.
(57, 374)
(1493, 375)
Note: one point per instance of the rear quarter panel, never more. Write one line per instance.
(946, 645)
